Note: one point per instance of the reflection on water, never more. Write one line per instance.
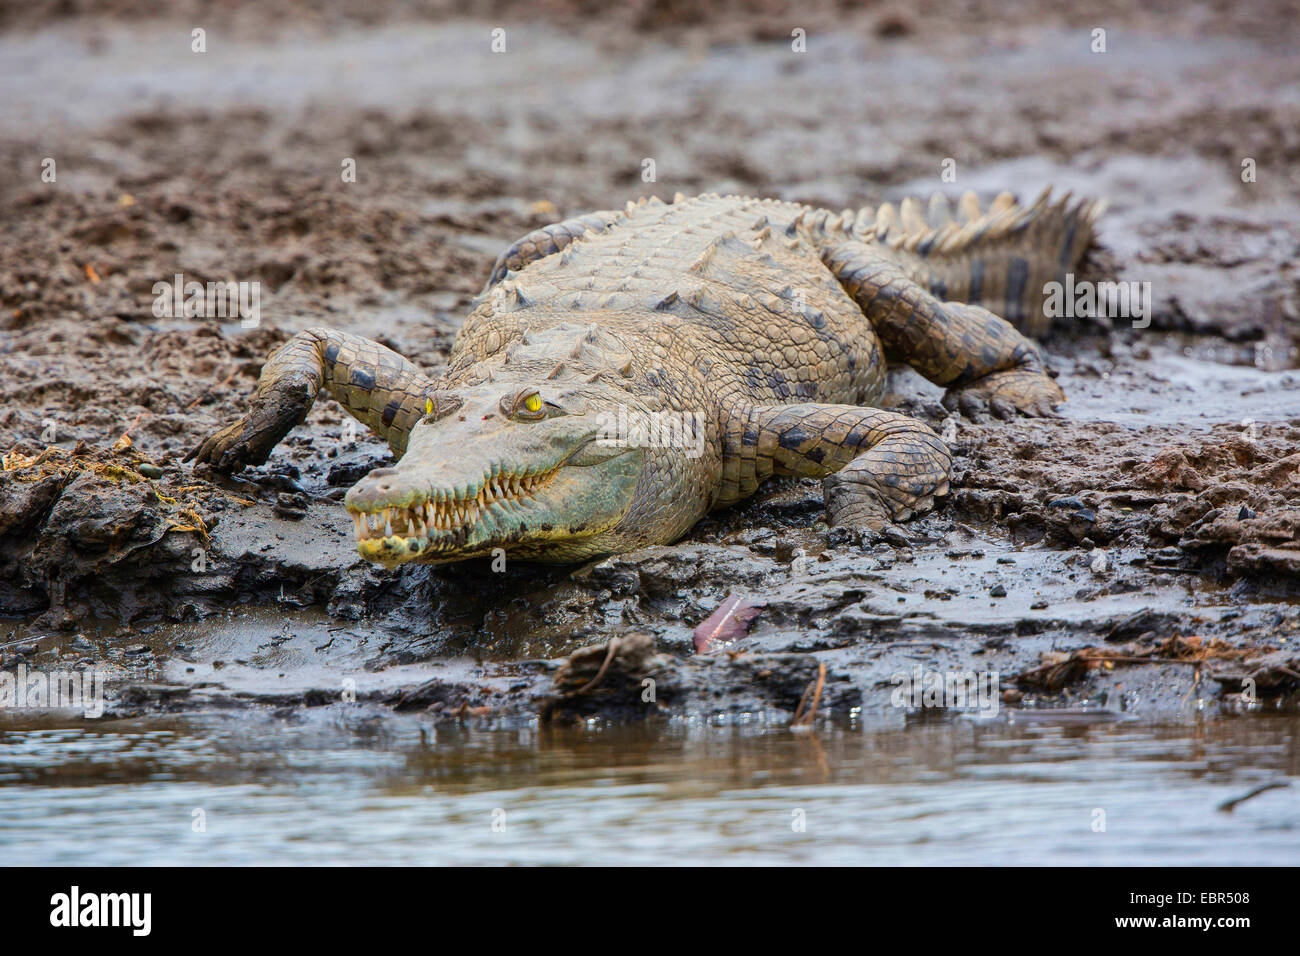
(332, 790)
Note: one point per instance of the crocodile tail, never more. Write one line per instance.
(999, 258)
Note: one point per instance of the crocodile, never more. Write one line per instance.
(625, 372)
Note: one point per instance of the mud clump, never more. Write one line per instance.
(1058, 670)
(1225, 501)
(1273, 675)
(90, 534)
(628, 678)
(624, 677)
(109, 534)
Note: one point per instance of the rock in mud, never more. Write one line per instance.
(624, 677)
(1271, 675)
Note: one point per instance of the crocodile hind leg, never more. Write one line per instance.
(878, 466)
(377, 386)
(985, 363)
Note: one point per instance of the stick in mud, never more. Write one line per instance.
(1262, 788)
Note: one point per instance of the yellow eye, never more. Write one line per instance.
(428, 406)
(533, 403)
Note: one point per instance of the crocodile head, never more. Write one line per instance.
(524, 466)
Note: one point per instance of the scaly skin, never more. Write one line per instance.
(757, 329)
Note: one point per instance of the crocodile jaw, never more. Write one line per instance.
(442, 523)
(540, 514)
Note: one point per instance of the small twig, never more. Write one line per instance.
(135, 421)
(401, 701)
(815, 688)
(1139, 660)
(1262, 788)
(600, 674)
(802, 700)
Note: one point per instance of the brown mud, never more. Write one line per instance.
(1164, 505)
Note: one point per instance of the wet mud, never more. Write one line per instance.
(1139, 556)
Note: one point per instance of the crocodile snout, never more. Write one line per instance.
(382, 488)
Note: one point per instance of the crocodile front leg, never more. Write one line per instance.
(986, 364)
(376, 385)
(878, 466)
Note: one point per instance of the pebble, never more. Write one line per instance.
(1071, 502)
(291, 506)
(997, 591)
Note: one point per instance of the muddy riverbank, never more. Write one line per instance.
(1138, 557)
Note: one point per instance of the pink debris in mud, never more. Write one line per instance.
(728, 623)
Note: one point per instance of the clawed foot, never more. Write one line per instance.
(250, 441)
(1007, 394)
(857, 499)
(222, 450)
(241, 445)
(864, 538)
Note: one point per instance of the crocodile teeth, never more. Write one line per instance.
(448, 514)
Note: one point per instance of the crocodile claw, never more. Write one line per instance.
(226, 449)
(250, 441)
(864, 538)
(1005, 395)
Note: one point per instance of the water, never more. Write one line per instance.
(328, 787)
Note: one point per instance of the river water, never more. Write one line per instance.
(331, 787)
